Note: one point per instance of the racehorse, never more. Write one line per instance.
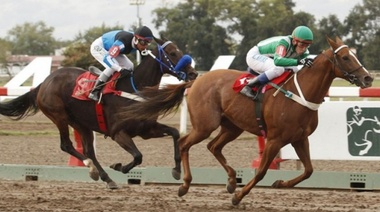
(289, 112)
(54, 98)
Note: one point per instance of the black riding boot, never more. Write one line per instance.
(247, 90)
(94, 95)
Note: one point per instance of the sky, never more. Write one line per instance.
(69, 17)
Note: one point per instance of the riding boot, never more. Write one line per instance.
(94, 94)
(247, 90)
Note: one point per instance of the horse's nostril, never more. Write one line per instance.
(368, 79)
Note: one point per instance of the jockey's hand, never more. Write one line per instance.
(126, 72)
(306, 62)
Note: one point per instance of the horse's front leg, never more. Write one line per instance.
(187, 178)
(226, 135)
(96, 169)
(270, 151)
(126, 142)
(302, 149)
(176, 171)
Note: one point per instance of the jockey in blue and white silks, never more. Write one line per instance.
(111, 49)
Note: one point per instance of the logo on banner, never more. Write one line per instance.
(363, 131)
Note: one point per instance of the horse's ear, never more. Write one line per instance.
(163, 37)
(338, 41)
(159, 41)
(331, 43)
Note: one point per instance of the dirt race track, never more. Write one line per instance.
(34, 141)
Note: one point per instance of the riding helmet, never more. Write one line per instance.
(144, 32)
(303, 34)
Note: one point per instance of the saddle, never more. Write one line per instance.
(243, 79)
(85, 82)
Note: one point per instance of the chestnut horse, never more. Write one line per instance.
(289, 119)
(54, 98)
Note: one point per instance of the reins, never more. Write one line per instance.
(162, 56)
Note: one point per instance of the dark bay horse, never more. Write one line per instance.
(54, 98)
(289, 119)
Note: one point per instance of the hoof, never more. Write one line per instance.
(230, 188)
(112, 185)
(182, 191)
(235, 200)
(116, 166)
(176, 175)
(277, 184)
(94, 176)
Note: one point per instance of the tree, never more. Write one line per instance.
(32, 39)
(78, 53)
(194, 30)
(362, 28)
(330, 26)
(4, 54)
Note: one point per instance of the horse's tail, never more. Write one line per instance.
(158, 102)
(22, 106)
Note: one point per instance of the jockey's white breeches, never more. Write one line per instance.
(264, 64)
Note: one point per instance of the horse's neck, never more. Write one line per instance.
(314, 82)
(147, 73)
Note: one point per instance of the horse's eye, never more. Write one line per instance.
(172, 54)
(345, 58)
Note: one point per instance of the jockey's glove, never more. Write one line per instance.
(126, 72)
(306, 62)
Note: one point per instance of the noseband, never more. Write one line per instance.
(347, 74)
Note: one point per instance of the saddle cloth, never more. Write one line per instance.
(85, 82)
(242, 81)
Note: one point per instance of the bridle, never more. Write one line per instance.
(162, 56)
(177, 69)
(346, 74)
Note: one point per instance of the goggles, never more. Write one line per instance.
(143, 41)
(303, 45)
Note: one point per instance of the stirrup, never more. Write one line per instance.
(247, 91)
(94, 96)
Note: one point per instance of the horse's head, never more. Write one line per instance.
(172, 60)
(347, 66)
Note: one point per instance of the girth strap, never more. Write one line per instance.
(100, 117)
(259, 113)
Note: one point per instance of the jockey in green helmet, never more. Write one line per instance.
(272, 56)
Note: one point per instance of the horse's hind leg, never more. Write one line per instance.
(302, 150)
(66, 144)
(185, 143)
(228, 133)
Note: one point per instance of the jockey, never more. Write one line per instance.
(272, 56)
(111, 49)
